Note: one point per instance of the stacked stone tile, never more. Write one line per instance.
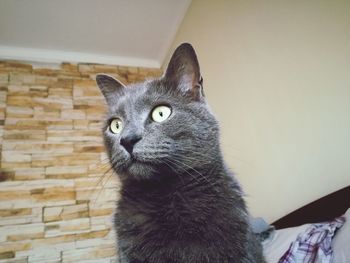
(57, 193)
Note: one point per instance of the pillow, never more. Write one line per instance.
(341, 242)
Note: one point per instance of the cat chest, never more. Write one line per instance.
(175, 216)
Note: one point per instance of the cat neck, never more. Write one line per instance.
(207, 177)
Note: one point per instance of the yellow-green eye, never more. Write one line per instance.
(161, 113)
(116, 126)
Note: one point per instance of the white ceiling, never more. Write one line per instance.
(124, 32)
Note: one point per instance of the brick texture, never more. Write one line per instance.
(57, 194)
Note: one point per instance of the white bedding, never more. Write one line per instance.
(275, 247)
(341, 242)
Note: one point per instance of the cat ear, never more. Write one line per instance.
(183, 70)
(109, 86)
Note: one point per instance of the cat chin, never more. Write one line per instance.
(140, 171)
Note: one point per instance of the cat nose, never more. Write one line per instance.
(129, 141)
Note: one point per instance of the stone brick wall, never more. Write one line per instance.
(57, 193)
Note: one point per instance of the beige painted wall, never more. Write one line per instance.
(277, 75)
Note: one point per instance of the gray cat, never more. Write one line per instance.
(179, 202)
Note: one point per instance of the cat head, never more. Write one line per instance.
(161, 126)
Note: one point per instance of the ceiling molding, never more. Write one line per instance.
(59, 56)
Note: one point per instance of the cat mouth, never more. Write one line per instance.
(135, 164)
(134, 160)
(137, 167)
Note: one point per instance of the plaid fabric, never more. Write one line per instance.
(313, 245)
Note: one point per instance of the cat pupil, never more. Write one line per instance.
(161, 114)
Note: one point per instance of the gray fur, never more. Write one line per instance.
(179, 202)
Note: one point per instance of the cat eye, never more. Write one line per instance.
(161, 113)
(116, 126)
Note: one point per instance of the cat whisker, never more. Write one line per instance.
(172, 168)
(102, 177)
(185, 157)
(109, 175)
(200, 174)
(185, 150)
(182, 168)
(185, 186)
(178, 164)
(108, 170)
